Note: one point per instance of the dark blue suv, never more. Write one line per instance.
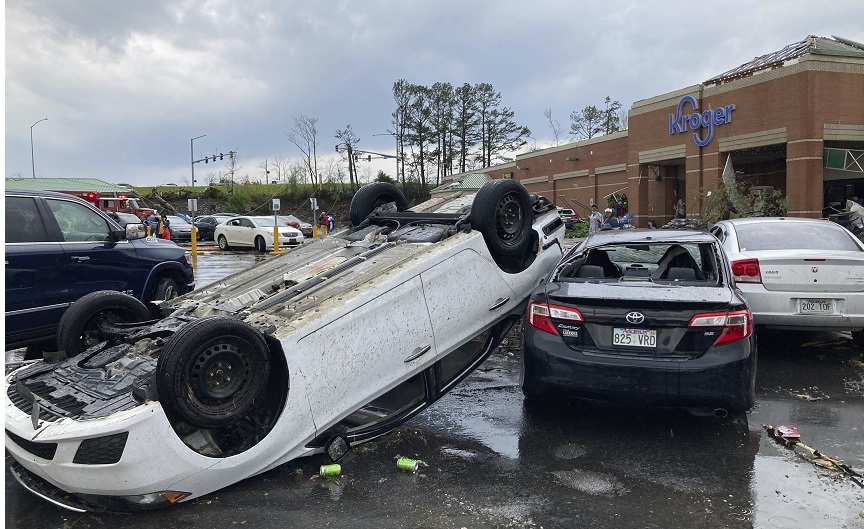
(59, 248)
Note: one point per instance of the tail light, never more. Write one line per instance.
(540, 315)
(747, 271)
(736, 325)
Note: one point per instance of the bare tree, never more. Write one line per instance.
(623, 118)
(555, 125)
(233, 166)
(278, 168)
(304, 136)
(349, 140)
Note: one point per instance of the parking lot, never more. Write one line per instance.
(492, 460)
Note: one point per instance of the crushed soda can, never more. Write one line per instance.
(406, 464)
(330, 470)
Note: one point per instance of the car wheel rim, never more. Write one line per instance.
(219, 373)
(508, 218)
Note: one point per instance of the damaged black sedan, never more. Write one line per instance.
(643, 317)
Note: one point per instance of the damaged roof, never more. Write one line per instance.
(814, 45)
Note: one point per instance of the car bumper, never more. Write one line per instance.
(780, 309)
(723, 377)
(74, 470)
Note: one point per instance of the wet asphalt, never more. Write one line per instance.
(496, 461)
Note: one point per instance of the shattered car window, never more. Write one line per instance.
(660, 262)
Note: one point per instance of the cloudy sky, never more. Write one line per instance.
(126, 84)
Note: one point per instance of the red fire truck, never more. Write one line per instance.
(120, 203)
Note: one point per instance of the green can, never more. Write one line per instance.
(330, 470)
(408, 465)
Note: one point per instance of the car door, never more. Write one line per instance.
(231, 231)
(37, 293)
(94, 261)
(460, 306)
(361, 355)
(246, 232)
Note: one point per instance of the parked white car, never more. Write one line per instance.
(255, 232)
(328, 345)
(797, 273)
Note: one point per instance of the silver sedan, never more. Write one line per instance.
(797, 274)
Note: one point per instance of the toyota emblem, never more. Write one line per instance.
(635, 317)
(815, 269)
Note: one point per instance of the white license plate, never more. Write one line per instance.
(815, 306)
(634, 337)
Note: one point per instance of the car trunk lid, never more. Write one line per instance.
(822, 271)
(653, 324)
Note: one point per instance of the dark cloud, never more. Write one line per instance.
(126, 84)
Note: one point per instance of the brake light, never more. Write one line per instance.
(747, 271)
(540, 315)
(736, 325)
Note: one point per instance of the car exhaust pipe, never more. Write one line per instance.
(720, 412)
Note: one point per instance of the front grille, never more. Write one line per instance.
(103, 450)
(43, 450)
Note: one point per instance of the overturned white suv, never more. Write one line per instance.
(333, 343)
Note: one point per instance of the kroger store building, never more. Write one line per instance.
(792, 119)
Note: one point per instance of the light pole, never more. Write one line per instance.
(192, 155)
(32, 159)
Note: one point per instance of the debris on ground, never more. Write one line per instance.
(788, 436)
(409, 465)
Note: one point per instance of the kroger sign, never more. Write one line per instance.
(697, 121)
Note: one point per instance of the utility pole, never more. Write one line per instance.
(192, 155)
(32, 159)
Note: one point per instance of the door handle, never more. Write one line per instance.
(500, 303)
(80, 259)
(417, 353)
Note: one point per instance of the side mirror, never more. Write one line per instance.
(337, 447)
(134, 231)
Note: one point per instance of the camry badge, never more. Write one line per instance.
(635, 317)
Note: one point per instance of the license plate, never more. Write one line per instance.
(634, 337)
(815, 306)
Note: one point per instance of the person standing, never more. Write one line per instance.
(610, 220)
(156, 227)
(680, 210)
(595, 220)
(166, 231)
(331, 223)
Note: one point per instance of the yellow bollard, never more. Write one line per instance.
(194, 240)
(276, 249)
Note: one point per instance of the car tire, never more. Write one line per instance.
(260, 245)
(79, 327)
(212, 372)
(165, 288)
(372, 196)
(223, 243)
(502, 213)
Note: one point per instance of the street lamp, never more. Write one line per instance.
(192, 155)
(32, 159)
